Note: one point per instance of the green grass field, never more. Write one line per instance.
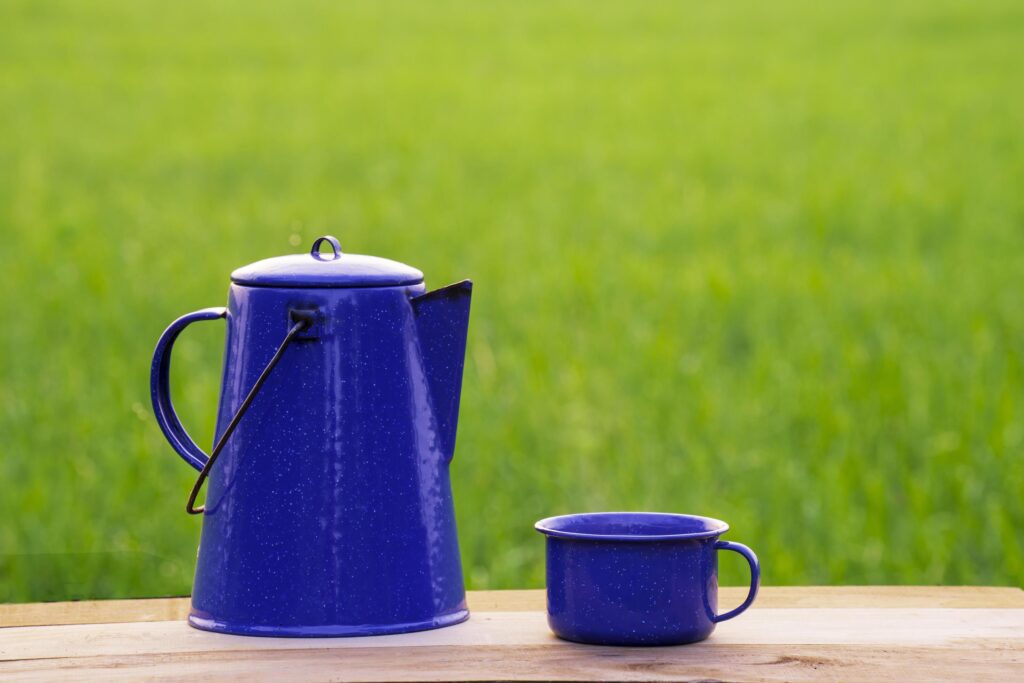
(761, 261)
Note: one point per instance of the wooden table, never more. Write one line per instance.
(903, 633)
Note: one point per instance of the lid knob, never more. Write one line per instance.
(335, 246)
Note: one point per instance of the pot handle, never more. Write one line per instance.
(160, 389)
(755, 577)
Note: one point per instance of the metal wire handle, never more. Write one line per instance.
(303, 321)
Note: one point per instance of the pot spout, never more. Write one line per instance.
(442, 320)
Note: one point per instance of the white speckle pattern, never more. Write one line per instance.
(632, 578)
(330, 510)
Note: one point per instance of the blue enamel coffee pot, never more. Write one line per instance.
(329, 507)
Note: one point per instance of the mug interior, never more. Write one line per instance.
(631, 526)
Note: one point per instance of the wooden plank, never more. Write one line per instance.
(802, 596)
(880, 597)
(161, 609)
(995, 629)
(792, 643)
(569, 663)
(93, 612)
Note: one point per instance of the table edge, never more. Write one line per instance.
(174, 608)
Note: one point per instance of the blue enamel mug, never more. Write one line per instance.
(637, 578)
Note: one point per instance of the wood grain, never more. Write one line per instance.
(517, 646)
(570, 663)
(847, 633)
(169, 609)
(914, 627)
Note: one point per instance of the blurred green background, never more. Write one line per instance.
(761, 261)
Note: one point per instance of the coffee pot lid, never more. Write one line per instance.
(328, 269)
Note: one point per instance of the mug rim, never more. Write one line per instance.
(544, 526)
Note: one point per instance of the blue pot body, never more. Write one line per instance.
(329, 512)
(636, 578)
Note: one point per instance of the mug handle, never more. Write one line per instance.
(160, 389)
(755, 577)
